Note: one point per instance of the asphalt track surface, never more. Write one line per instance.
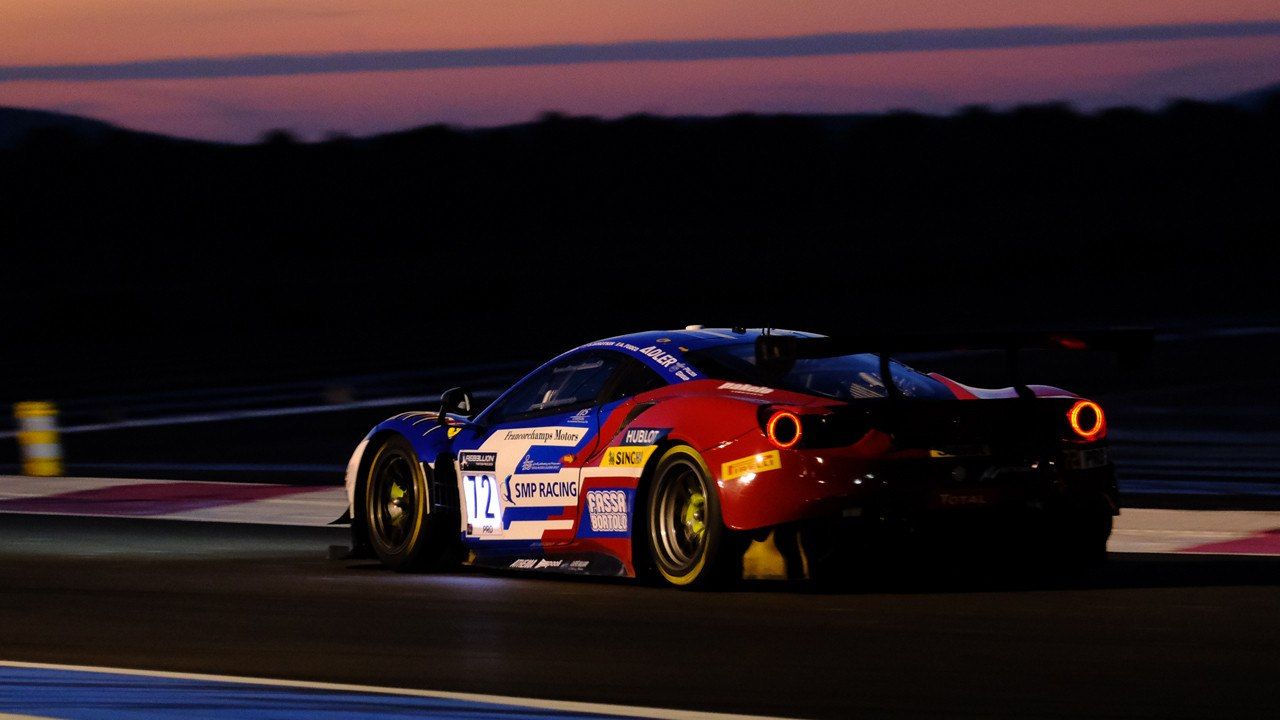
(1149, 636)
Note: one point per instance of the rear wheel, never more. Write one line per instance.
(402, 531)
(687, 537)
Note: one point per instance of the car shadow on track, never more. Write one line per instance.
(915, 576)
(1120, 571)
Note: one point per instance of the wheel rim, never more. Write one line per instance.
(679, 521)
(393, 507)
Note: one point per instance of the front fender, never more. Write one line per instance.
(421, 429)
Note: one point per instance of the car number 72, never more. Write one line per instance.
(484, 510)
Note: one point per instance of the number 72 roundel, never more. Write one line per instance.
(483, 501)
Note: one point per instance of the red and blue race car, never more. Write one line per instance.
(704, 454)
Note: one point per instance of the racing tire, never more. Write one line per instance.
(688, 544)
(402, 531)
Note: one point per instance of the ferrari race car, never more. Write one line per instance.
(698, 455)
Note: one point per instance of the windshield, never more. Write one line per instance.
(848, 377)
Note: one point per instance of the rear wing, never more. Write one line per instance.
(1132, 345)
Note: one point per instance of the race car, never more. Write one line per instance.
(700, 455)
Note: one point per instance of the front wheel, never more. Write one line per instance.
(403, 532)
(687, 538)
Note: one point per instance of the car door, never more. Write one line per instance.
(513, 485)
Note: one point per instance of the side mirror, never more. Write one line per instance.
(456, 401)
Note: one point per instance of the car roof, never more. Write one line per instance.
(665, 350)
(701, 338)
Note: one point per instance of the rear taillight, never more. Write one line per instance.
(1087, 420)
(783, 429)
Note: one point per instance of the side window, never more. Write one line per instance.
(571, 383)
(633, 379)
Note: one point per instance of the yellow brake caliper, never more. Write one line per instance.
(397, 492)
(693, 519)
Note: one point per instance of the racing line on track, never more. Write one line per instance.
(1141, 530)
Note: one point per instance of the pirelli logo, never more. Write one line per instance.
(631, 457)
(757, 463)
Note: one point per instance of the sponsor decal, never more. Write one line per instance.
(608, 513)
(481, 501)
(452, 431)
(644, 436)
(529, 466)
(745, 388)
(548, 564)
(540, 460)
(579, 565)
(529, 492)
(626, 456)
(669, 362)
(951, 500)
(614, 344)
(660, 357)
(754, 464)
(524, 564)
(582, 417)
(478, 460)
(546, 435)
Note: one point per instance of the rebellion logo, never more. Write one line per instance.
(477, 460)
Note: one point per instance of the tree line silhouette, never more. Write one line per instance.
(132, 260)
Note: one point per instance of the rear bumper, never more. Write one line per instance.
(954, 492)
(1029, 518)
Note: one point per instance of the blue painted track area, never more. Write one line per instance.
(94, 695)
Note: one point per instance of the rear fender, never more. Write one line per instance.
(701, 422)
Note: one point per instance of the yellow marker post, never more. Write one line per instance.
(38, 438)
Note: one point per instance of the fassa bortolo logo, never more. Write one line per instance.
(607, 511)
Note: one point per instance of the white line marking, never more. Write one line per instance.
(557, 705)
(225, 415)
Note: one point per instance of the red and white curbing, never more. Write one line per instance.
(1210, 532)
(1137, 530)
(173, 500)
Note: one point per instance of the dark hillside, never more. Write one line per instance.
(18, 124)
(138, 261)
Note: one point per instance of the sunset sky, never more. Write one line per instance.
(397, 65)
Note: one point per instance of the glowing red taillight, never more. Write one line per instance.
(783, 429)
(1087, 420)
